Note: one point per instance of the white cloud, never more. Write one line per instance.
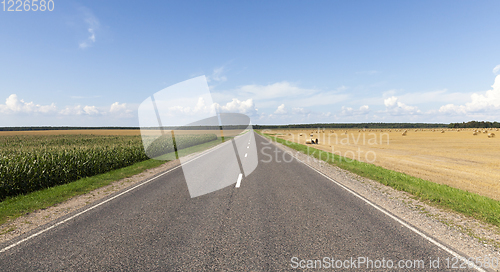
(90, 110)
(391, 101)
(117, 107)
(348, 111)
(452, 109)
(364, 108)
(496, 69)
(281, 109)
(79, 110)
(92, 24)
(75, 110)
(14, 106)
(245, 107)
(47, 108)
(202, 109)
(395, 107)
(185, 108)
(480, 103)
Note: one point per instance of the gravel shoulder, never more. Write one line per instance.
(465, 235)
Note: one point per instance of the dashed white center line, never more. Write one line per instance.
(246, 155)
(248, 146)
(239, 181)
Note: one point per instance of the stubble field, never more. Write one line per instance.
(456, 158)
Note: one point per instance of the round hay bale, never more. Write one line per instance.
(311, 141)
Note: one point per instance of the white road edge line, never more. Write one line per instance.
(108, 200)
(239, 181)
(443, 247)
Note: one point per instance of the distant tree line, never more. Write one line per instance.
(352, 125)
(475, 124)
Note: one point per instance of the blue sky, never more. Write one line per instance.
(91, 63)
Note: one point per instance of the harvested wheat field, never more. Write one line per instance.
(467, 159)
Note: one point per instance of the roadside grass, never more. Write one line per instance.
(13, 207)
(464, 202)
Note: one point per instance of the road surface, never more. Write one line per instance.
(281, 215)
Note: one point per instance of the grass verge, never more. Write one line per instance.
(469, 204)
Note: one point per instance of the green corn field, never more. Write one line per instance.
(165, 144)
(33, 162)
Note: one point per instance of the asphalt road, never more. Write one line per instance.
(282, 213)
